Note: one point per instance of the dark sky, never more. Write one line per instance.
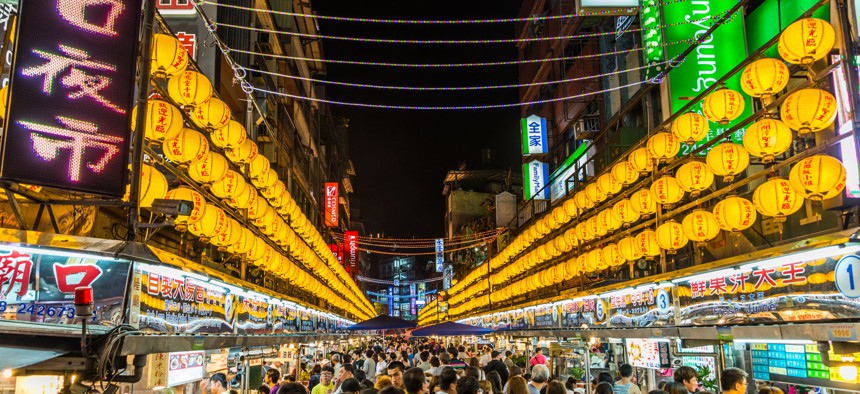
(402, 156)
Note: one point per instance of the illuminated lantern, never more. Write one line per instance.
(594, 259)
(582, 263)
(153, 185)
(642, 202)
(594, 193)
(582, 232)
(562, 244)
(230, 235)
(188, 147)
(277, 190)
(245, 242)
(667, 191)
(694, 177)
(189, 89)
(777, 199)
(244, 199)
(570, 269)
(266, 219)
(663, 146)
(560, 216)
(805, 41)
(595, 228)
(582, 201)
(646, 241)
(723, 106)
(169, 56)
(211, 169)
(258, 250)
(163, 121)
(625, 173)
(612, 256)
(214, 221)
(764, 78)
(690, 128)
(244, 153)
(624, 212)
(213, 114)
(571, 236)
(230, 136)
(608, 221)
(767, 138)
(808, 110)
(641, 160)
(818, 177)
(735, 214)
(727, 160)
(700, 226)
(259, 166)
(670, 236)
(571, 208)
(188, 194)
(266, 180)
(628, 249)
(230, 186)
(608, 185)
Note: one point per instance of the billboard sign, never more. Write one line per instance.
(72, 88)
(351, 245)
(534, 135)
(642, 308)
(535, 177)
(331, 204)
(440, 254)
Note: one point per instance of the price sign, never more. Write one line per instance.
(841, 332)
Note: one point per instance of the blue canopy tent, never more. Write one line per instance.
(450, 329)
(382, 322)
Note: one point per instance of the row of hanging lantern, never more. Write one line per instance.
(269, 206)
(815, 178)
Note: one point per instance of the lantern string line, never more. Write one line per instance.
(427, 244)
(422, 253)
(533, 18)
(453, 88)
(447, 65)
(424, 240)
(446, 107)
(461, 42)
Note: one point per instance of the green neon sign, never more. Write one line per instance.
(652, 39)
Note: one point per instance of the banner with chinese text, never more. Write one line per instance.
(642, 308)
(591, 312)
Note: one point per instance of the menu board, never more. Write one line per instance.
(590, 312)
(307, 321)
(648, 353)
(645, 308)
(791, 292)
(518, 319)
(286, 319)
(184, 367)
(799, 364)
(255, 316)
(546, 316)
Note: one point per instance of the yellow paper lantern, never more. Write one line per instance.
(809, 110)
(767, 138)
(624, 173)
(153, 184)
(612, 256)
(266, 220)
(266, 180)
(230, 235)
(4, 101)
(168, 57)
(244, 199)
(560, 216)
(258, 250)
(244, 153)
(571, 237)
(735, 214)
(211, 169)
(245, 242)
(690, 128)
(561, 244)
(667, 191)
(276, 191)
(188, 147)
(694, 177)
(186, 193)
(594, 193)
(571, 208)
(608, 221)
(582, 263)
(582, 232)
(582, 201)
(211, 115)
(728, 160)
(257, 208)
(723, 106)
(663, 146)
(641, 160)
(646, 241)
(670, 236)
(259, 166)
(594, 259)
(805, 41)
(624, 212)
(628, 249)
(163, 120)
(777, 199)
(230, 186)
(764, 78)
(230, 136)
(700, 226)
(214, 220)
(643, 202)
(595, 228)
(818, 177)
(189, 89)
(608, 185)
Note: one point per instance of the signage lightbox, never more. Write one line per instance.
(534, 135)
(536, 175)
(72, 88)
(184, 367)
(440, 254)
(351, 246)
(331, 204)
(648, 353)
(650, 19)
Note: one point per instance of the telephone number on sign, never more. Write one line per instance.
(39, 309)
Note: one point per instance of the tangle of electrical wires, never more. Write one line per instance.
(106, 368)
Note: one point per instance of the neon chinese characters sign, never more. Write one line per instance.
(72, 88)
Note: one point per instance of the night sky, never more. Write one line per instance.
(401, 156)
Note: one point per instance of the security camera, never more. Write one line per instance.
(172, 207)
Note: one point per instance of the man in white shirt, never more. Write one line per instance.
(485, 358)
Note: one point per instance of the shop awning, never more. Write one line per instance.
(19, 357)
(382, 322)
(450, 329)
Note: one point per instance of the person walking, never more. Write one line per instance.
(497, 365)
(625, 385)
(369, 366)
(540, 376)
(538, 358)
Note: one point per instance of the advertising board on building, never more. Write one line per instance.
(535, 177)
(642, 308)
(546, 316)
(588, 312)
(72, 88)
(648, 353)
(331, 204)
(534, 135)
(351, 251)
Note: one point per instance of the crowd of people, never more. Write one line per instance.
(402, 367)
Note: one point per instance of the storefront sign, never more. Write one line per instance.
(711, 60)
(337, 251)
(546, 316)
(331, 204)
(176, 7)
(307, 322)
(535, 176)
(648, 353)
(351, 245)
(255, 315)
(440, 254)
(184, 367)
(584, 312)
(642, 308)
(68, 119)
(518, 319)
(534, 135)
(650, 18)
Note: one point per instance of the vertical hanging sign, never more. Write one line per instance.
(351, 245)
(534, 135)
(72, 88)
(440, 254)
(535, 176)
(652, 38)
(331, 204)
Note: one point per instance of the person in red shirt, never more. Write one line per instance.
(538, 358)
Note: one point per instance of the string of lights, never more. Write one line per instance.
(534, 18)
(400, 240)
(419, 253)
(427, 245)
(444, 107)
(452, 88)
(487, 41)
(391, 282)
(446, 65)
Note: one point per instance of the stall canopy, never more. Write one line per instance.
(382, 322)
(450, 329)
